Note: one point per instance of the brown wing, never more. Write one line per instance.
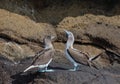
(43, 57)
(78, 56)
(80, 52)
(38, 54)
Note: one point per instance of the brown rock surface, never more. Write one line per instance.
(16, 26)
(15, 51)
(91, 31)
(14, 74)
(25, 34)
(95, 24)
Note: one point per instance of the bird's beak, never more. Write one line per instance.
(66, 31)
(52, 37)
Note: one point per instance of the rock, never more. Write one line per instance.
(13, 74)
(54, 11)
(92, 30)
(79, 77)
(95, 32)
(104, 35)
(85, 75)
(19, 28)
(5, 69)
(15, 51)
(4, 75)
(20, 36)
(79, 25)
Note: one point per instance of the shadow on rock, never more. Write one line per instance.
(25, 78)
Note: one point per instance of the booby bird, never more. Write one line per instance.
(43, 58)
(74, 55)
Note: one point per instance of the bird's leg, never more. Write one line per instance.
(42, 68)
(46, 67)
(76, 67)
(48, 70)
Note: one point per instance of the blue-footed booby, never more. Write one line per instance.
(43, 58)
(74, 55)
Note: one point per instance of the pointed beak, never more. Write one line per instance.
(66, 31)
(53, 38)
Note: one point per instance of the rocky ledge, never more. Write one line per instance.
(96, 28)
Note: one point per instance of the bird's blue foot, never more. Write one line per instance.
(41, 70)
(76, 68)
(48, 70)
(72, 70)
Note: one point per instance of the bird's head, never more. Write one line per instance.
(48, 41)
(70, 37)
(68, 33)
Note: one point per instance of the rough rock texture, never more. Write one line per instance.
(13, 27)
(97, 32)
(94, 23)
(85, 75)
(56, 10)
(26, 34)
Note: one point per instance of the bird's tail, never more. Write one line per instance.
(49, 62)
(30, 67)
(40, 66)
(95, 57)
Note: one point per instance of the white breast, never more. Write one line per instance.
(69, 57)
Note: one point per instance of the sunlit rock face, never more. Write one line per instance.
(25, 23)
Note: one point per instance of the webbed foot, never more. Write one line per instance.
(76, 68)
(47, 70)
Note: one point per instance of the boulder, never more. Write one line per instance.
(20, 28)
(97, 31)
(20, 36)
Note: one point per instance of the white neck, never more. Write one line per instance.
(70, 42)
(48, 46)
(68, 45)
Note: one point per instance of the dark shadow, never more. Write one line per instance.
(25, 78)
(57, 68)
(113, 57)
(28, 77)
(53, 11)
(5, 60)
(101, 42)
